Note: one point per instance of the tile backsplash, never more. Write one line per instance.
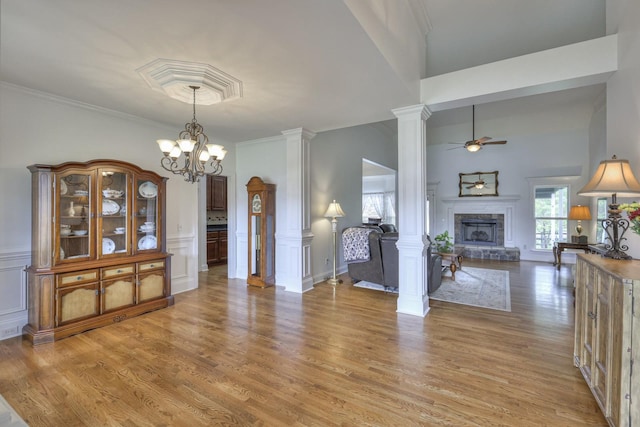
(216, 217)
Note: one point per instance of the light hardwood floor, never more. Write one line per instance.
(226, 354)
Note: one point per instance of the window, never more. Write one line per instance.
(379, 205)
(601, 216)
(551, 207)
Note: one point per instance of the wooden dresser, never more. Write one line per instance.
(607, 334)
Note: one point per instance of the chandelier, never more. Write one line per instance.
(191, 153)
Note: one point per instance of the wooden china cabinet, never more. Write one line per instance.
(98, 247)
(262, 229)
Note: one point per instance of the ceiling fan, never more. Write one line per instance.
(476, 144)
(477, 184)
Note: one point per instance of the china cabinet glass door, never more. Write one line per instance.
(74, 231)
(113, 227)
(146, 215)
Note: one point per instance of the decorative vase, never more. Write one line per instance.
(71, 211)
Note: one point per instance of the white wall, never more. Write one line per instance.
(336, 173)
(623, 94)
(542, 142)
(40, 128)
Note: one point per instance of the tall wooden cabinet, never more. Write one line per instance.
(262, 229)
(98, 247)
(607, 334)
(216, 193)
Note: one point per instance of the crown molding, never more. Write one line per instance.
(79, 104)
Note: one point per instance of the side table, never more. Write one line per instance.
(452, 261)
(558, 247)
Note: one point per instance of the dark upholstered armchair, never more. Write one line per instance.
(381, 267)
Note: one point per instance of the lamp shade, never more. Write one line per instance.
(612, 176)
(580, 212)
(334, 210)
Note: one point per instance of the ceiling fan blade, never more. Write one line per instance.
(455, 148)
(471, 186)
(494, 143)
(483, 139)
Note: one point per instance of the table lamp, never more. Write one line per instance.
(613, 177)
(579, 213)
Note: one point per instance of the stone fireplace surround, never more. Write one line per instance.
(501, 207)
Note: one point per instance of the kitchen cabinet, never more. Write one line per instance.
(607, 334)
(98, 245)
(216, 247)
(216, 193)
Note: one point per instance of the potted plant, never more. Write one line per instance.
(444, 242)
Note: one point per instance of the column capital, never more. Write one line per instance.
(302, 132)
(412, 112)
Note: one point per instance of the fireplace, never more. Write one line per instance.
(501, 209)
(479, 229)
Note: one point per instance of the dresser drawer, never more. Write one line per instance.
(119, 270)
(152, 265)
(77, 277)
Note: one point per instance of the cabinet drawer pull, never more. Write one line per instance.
(79, 278)
(151, 265)
(592, 315)
(118, 271)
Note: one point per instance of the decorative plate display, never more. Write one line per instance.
(148, 190)
(109, 207)
(81, 193)
(108, 246)
(63, 187)
(147, 242)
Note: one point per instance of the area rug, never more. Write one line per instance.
(479, 287)
(368, 285)
(8, 416)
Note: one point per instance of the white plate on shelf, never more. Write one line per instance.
(63, 187)
(147, 242)
(148, 189)
(108, 246)
(109, 207)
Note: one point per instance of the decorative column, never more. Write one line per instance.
(412, 210)
(295, 240)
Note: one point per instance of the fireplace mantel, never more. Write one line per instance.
(504, 205)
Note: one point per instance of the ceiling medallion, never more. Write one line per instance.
(174, 78)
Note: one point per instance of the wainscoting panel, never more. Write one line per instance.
(184, 263)
(13, 292)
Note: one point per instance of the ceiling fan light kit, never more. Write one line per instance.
(476, 144)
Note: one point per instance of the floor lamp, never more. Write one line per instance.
(334, 211)
(613, 177)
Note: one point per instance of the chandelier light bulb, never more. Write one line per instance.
(166, 145)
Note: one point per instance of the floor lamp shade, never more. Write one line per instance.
(334, 211)
(613, 177)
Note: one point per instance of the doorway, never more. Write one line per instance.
(378, 193)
